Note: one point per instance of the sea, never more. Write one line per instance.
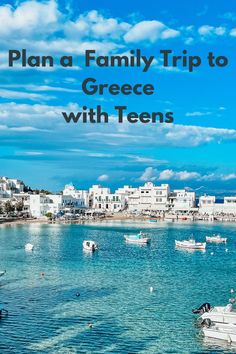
(121, 299)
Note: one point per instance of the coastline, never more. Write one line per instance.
(116, 218)
(13, 222)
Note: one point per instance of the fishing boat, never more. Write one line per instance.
(216, 239)
(29, 247)
(139, 238)
(2, 272)
(221, 331)
(90, 246)
(190, 244)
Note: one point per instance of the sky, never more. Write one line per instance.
(196, 152)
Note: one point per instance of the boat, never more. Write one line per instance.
(220, 314)
(139, 238)
(152, 220)
(29, 247)
(90, 246)
(190, 244)
(221, 331)
(216, 239)
(2, 272)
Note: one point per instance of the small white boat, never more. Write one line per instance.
(190, 244)
(139, 238)
(216, 239)
(29, 247)
(2, 272)
(221, 314)
(90, 246)
(221, 331)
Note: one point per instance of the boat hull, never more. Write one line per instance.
(190, 245)
(223, 332)
(140, 241)
(216, 240)
(219, 316)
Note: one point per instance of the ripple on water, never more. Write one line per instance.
(46, 316)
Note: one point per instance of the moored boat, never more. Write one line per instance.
(89, 245)
(29, 247)
(220, 314)
(216, 239)
(139, 238)
(221, 331)
(190, 244)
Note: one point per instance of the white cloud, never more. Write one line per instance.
(150, 31)
(10, 94)
(103, 178)
(29, 17)
(31, 153)
(207, 31)
(229, 177)
(150, 174)
(179, 175)
(197, 114)
(233, 32)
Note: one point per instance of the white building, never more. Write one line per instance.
(125, 192)
(41, 204)
(208, 205)
(182, 200)
(82, 196)
(9, 186)
(150, 198)
(102, 199)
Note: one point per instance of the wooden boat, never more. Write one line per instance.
(90, 246)
(139, 238)
(216, 239)
(190, 244)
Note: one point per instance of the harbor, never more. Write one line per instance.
(123, 298)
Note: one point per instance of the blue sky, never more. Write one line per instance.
(197, 151)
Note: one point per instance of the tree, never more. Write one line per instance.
(19, 206)
(48, 215)
(8, 207)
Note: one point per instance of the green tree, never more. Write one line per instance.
(9, 207)
(19, 206)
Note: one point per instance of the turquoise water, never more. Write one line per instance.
(46, 316)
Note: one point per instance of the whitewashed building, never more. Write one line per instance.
(102, 199)
(208, 205)
(150, 198)
(82, 196)
(9, 186)
(125, 192)
(181, 200)
(41, 204)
